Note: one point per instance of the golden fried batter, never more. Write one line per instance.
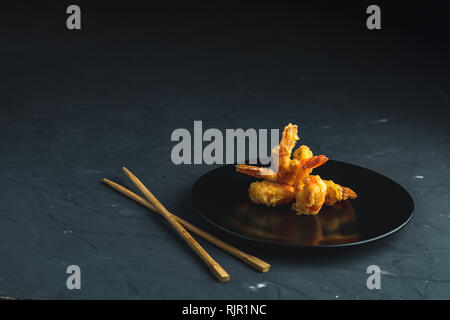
(310, 196)
(336, 192)
(270, 193)
(302, 153)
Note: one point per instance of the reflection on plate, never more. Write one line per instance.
(284, 226)
(221, 197)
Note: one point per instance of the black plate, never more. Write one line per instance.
(382, 207)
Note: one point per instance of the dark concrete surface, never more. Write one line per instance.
(75, 106)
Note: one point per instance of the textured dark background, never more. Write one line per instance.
(75, 106)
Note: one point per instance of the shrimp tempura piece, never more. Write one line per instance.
(270, 193)
(314, 192)
(310, 196)
(335, 192)
(281, 155)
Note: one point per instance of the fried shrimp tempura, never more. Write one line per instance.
(281, 154)
(313, 192)
(293, 180)
(290, 170)
(270, 193)
(310, 196)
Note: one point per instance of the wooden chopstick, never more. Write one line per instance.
(215, 268)
(253, 261)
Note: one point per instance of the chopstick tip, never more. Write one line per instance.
(265, 268)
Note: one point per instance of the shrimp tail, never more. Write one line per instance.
(314, 162)
(257, 172)
(336, 193)
(348, 193)
(288, 140)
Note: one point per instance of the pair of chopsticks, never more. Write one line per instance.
(177, 223)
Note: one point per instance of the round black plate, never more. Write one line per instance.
(382, 207)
